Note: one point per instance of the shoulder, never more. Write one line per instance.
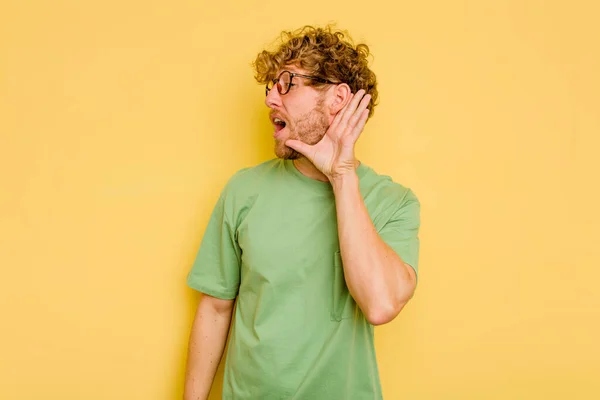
(387, 200)
(244, 186)
(382, 188)
(249, 179)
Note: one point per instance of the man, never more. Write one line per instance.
(316, 247)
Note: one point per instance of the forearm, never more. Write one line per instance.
(207, 341)
(376, 276)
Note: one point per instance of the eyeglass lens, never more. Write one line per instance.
(283, 83)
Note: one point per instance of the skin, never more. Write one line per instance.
(322, 127)
(378, 279)
(206, 345)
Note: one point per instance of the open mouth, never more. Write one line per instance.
(279, 124)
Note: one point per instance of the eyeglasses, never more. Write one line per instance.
(284, 82)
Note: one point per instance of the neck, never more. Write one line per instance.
(308, 169)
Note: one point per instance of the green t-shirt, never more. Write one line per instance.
(272, 242)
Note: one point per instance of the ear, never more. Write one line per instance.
(340, 97)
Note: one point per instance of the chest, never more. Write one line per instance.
(287, 240)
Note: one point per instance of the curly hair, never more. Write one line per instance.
(324, 53)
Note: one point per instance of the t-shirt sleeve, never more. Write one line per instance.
(401, 232)
(216, 269)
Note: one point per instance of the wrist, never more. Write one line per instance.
(346, 180)
(345, 172)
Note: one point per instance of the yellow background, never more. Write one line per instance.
(121, 121)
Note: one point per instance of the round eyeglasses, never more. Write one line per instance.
(284, 82)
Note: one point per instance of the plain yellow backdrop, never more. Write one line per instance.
(121, 121)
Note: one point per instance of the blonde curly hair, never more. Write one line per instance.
(323, 52)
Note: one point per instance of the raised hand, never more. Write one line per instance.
(334, 154)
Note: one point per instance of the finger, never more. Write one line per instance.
(354, 119)
(336, 121)
(360, 125)
(351, 106)
(300, 147)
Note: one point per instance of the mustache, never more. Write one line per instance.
(278, 114)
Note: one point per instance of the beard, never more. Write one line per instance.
(308, 128)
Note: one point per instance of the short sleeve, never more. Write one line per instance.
(401, 232)
(216, 269)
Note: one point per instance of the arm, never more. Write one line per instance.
(207, 341)
(380, 282)
(377, 278)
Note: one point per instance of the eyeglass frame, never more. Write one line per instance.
(292, 75)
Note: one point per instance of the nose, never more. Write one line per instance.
(273, 98)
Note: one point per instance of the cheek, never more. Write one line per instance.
(296, 109)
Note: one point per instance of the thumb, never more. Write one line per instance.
(299, 146)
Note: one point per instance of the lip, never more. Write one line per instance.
(277, 133)
(272, 117)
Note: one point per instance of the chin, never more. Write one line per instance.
(294, 155)
(285, 153)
